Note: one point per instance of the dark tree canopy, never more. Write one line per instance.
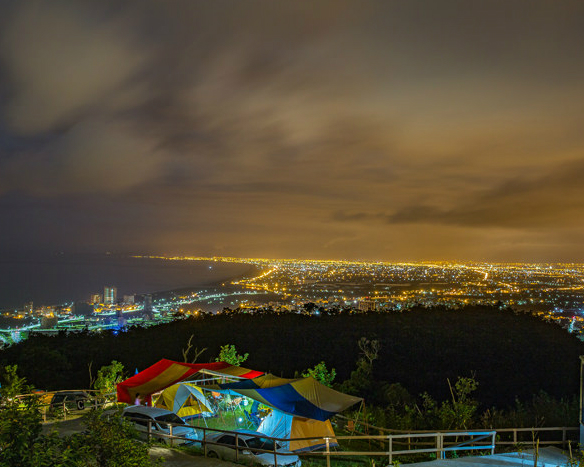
(510, 354)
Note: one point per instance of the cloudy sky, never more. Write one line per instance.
(388, 130)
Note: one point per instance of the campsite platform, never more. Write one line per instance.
(548, 457)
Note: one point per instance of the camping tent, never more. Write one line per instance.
(303, 397)
(280, 425)
(165, 373)
(300, 407)
(186, 400)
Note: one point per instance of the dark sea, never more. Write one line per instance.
(63, 278)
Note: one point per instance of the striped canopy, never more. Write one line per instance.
(303, 397)
(165, 373)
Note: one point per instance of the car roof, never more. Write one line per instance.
(245, 434)
(143, 409)
(250, 432)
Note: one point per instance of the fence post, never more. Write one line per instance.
(64, 411)
(493, 437)
(514, 436)
(390, 448)
(564, 437)
(439, 446)
(149, 430)
(236, 447)
(171, 437)
(205, 442)
(328, 453)
(275, 454)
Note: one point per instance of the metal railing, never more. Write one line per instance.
(67, 408)
(391, 442)
(516, 438)
(438, 443)
(505, 436)
(204, 442)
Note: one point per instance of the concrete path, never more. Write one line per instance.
(548, 457)
(173, 458)
(65, 427)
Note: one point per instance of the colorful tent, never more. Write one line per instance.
(301, 407)
(304, 397)
(165, 373)
(184, 399)
(280, 425)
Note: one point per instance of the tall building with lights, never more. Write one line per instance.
(95, 298)
(110, 295)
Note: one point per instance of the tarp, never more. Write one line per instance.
(280, 425)
(184, 399)
(304, 397)
(165, 373)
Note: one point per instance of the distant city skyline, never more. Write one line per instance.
(373, 130)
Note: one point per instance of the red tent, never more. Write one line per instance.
(165, 373)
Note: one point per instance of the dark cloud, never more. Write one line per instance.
(554, 199)
(238, 128)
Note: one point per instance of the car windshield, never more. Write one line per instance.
(170, 418)
(262, 443)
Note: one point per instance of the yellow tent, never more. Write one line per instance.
(184, 399)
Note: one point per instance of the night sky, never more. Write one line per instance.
(389, 130)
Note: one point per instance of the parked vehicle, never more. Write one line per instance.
(248, 443)
(71, 400)
(160, 421)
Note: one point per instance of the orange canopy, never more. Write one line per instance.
(165, 373)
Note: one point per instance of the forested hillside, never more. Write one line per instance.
(510, 355)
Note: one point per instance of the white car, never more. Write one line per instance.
(248, 443)
(159, 421)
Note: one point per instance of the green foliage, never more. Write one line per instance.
(459, 412)
(320, 373)
(12, 384)
(20, 428)
(108, 376)
(361, 383)
(541, 410)
(109, 442)
(228, 354)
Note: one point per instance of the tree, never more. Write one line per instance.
(108, 377)
(459, 413)
(187, 350)
(321, 374)
(360, 382)
(228, 354)
(369, 350)
(20, 428)
(109, 442)
(21, 441)
(13, 384)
